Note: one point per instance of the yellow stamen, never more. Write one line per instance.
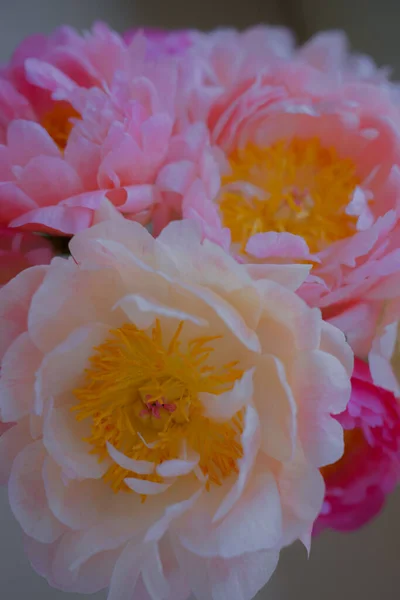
(142, 396)
(58, 124)
(307, 188)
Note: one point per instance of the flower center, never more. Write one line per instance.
(57, 122)
(142, 396)
(302, 188)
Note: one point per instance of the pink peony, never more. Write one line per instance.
(18, 251)
(172, 413)
(309, 161)
(131, 142)
(357, 485)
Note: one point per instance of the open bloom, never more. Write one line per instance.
(357, 485)
(18, 251)
(125, 139)
(384, 357)
(309, 162)
(172, 413)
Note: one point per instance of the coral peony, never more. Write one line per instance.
(129, 139)
(357, 485)
(18, 251)
(310, 171)
(172, 413)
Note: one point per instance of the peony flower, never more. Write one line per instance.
(18, 251)
(357, 485)
(172, 414)
(309, 162)
(128, 141)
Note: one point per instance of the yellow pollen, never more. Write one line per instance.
(57, 122)
(305, 189)
(142, 396)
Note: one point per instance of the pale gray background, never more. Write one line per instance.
(360, 566)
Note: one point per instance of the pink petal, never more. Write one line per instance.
(27, 139)
(48, 180)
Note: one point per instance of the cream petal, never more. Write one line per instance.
(63, 369)
(121, 233)
(202, 262)
(91, 576)
(63, 437)
(17, 382)
(28, 498)
(322, 388)
(232, 319)
(144, 311)
(127, 571)
(12, 443)
(76, 504)
(250, 441)
(120, 525)
(254, 523)
(224, 406)
(276, 408)
(55, 311)
(15, 299)
(177, 467)
(142, 467)
(148, 488)
(292, 313)
(302, 490)
(237, 578)
(172, 512)
(332, 342)
(153, 574)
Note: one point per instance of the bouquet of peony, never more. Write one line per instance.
(200, 271)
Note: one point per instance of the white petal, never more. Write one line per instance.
(143, 311)
(153, 574)
(11, 444)
(63, 369)
(238, 578)
(126, 572)
(148, 488)
(276, 407)
(64, 438)
(143, 467)
(224, 406)
(177, 467)
(250, 441)
(28, 498)
(77, 504)
(254, 523)
(172, 512)
(322, 388)
(17, 382)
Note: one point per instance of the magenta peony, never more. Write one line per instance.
(172, 414)
(357, 485)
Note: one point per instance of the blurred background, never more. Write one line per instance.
(360, 566)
